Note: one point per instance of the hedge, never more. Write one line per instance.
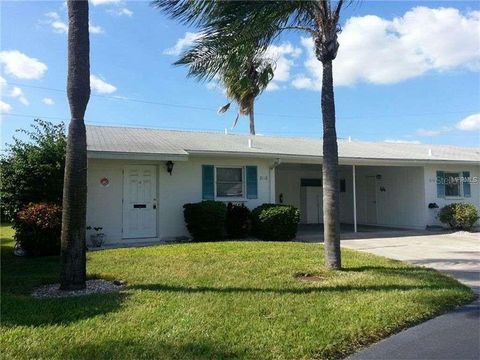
(238, 222)
(275, 222)
(205, 220)
(38, 229)
(459, 216)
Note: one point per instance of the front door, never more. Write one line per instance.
(139, 202)
(371, 199)
(314, 196)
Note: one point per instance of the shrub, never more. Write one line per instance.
(238, 221)
(38, 228)
(205, 220)
(32, 168)
(459, 216)
(275, 222)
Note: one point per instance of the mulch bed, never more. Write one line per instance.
(97, 286)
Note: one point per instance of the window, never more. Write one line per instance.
(452, 184)
(311, 182)
(343, 185)
(229, 182)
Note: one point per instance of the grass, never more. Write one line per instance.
(217, 301)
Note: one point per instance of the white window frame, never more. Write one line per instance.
(244, 185)
(459, 174)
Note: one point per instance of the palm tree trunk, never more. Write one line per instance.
(252, 119)
(73, 272)
(331, 211)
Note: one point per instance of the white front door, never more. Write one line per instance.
(371, 199)
(139, 201)
(314, 196)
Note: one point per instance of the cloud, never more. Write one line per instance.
(284, 56)
(16, 92)
(3, 83)
(304, 82)
(4, 107)
(55, 22)
(470, 123)
(126, 12)
(100, 86)
(121, 12)
(21, 66)
(182, 44)
(434, 132)
(52, 15)
(380, 51)
(273, 86)
(61, 27)
(103, 2)
(95, 29)
(48, 101)
(397, 141)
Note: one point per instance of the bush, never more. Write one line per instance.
(238, 221)
(459, 216)
(32, 168)
(38, 229)
(205, 220)
(275, 222)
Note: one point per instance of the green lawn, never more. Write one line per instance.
(217, 301)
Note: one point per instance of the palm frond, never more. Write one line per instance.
(224, 109)
(236, 120)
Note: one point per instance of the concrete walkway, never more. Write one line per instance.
(455, 335)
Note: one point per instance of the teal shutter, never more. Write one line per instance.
(252, 184)
(466, 184)
(440, 184)
(208, 179)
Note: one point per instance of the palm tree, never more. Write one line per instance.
(73, 272)
(234, 25)
(244, 78)
(244, 84)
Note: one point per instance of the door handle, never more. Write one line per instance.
(154, 206)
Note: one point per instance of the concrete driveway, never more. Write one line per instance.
(455, 335)
(457, 254)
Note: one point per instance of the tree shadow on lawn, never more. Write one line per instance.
(339, 288)
(423, 278)
(148, 349)
(20, 310)
(422, 275)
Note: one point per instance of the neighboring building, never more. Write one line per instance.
(133, 196)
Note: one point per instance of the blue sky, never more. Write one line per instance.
(406, 71)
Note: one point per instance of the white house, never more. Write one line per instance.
(139, 179)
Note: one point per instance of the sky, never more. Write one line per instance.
(406, 71)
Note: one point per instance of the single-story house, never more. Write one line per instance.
(139, 179)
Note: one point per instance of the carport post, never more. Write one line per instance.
(354, 200)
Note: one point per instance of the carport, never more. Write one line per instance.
(372, 197)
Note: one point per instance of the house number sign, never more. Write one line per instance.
(104, 182)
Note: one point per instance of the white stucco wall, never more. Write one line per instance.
(402, 202)
(431, 189)
(287, 182)
(104, 204)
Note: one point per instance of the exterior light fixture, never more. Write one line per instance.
(169, 165)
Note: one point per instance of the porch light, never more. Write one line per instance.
(169, 165)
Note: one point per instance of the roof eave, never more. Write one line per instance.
(312, 159)
(118, 155)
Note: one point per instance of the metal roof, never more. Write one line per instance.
(128, 140)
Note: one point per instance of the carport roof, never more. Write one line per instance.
(130, 141)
